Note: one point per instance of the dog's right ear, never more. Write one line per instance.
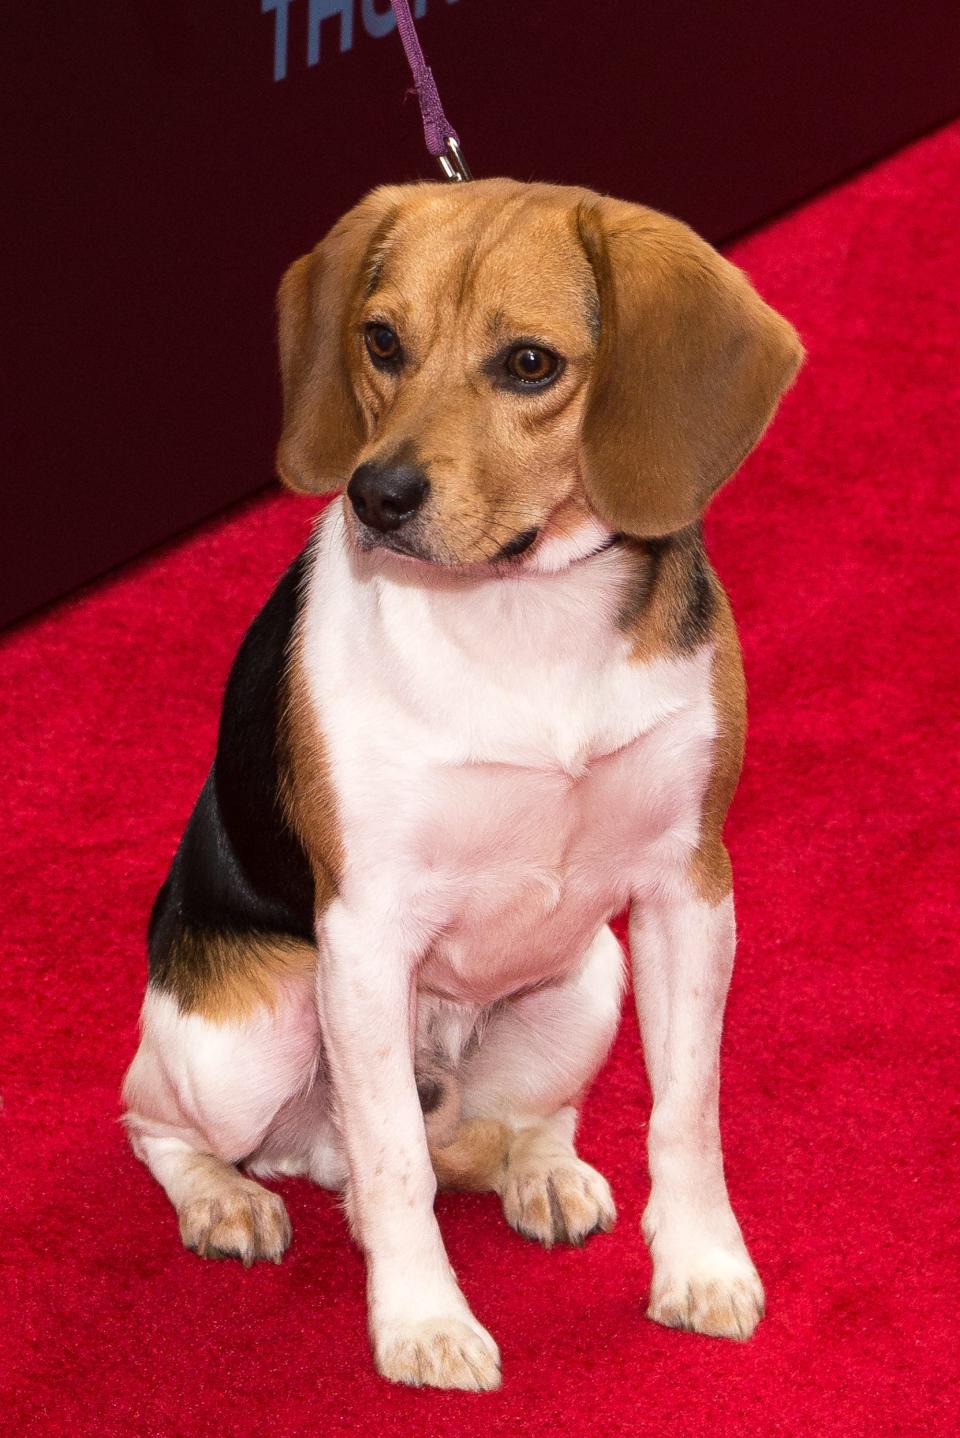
(323, 428)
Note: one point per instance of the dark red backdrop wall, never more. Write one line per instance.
(167, 159)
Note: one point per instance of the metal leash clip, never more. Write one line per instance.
(439, 134)
(452, 163)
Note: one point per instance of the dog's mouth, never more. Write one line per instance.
(518, 545)
(404, 546)
(409, 543)
(428, 544)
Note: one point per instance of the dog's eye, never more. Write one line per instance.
(531, 365)
(382, 343)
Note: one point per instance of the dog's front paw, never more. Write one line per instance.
(555, 1198)
(449, 1352)
(717, 1293)
(242, 1221)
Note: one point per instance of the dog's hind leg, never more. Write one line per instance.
(200, 1096)
(521, 1088)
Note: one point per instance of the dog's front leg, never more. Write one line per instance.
(682, 952)
(421, 1328)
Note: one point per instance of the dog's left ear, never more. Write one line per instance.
(322, 425)
(689, 369)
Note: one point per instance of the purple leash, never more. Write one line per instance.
(441, 138)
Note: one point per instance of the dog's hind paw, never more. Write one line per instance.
(242, 1220)
(555, 1198)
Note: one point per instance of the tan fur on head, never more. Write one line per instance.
(671, 364)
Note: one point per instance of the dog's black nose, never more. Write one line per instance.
(386, 496)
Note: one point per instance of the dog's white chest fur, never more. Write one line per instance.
(505, 774)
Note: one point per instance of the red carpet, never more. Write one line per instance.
(839, 547)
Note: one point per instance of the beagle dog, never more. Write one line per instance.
(496, 700)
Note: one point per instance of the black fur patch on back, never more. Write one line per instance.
(240, 867)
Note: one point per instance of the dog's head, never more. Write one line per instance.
(493, 366)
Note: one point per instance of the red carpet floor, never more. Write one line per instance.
(842, 1063)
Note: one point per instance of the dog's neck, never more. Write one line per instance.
(525, 667)
(513, 617)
